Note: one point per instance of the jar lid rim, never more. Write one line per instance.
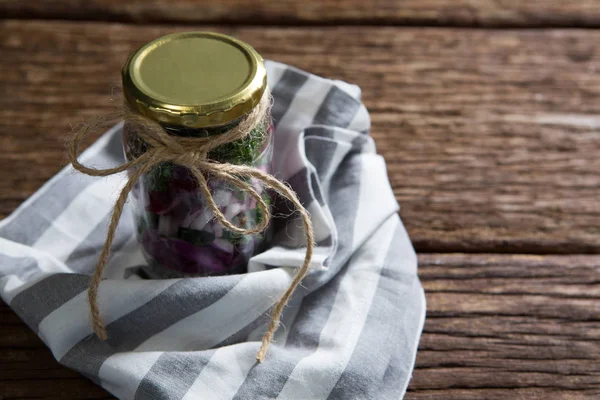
(194, 79)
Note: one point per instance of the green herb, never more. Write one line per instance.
(235, 238)
(158, 178)
(259, 214)
(232, 237)
(243, 151)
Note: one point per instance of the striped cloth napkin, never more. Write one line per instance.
(350, 332)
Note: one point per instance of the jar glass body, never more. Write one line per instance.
(176, 229)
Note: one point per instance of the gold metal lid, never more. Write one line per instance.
(194, 79)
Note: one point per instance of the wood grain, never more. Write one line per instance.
(285, 12)
(509, 327)
(491, 137)
(498, 327)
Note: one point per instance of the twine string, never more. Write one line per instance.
(191, 153)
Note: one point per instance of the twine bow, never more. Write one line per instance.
(192, 154)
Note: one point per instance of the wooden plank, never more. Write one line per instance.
(491, 137)
(498, 327)
(503, 394)
(508, 326)
(34, 374)
(281, 12)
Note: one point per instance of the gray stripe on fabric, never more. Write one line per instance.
(383, 328)
(399, 370)
(284, 210)
(316, 188)
(31, 225)
(38, 301)
(326, 242)
(299, 182)
(276, 372)
(242, 334)
(327, 363)
(138, 270)
(284, 91)
(316, 307)
(307, 191)
(178, 301)
(338, 109)
(85, 256)
(302, 341)
(319, 153)
(172, 375)
(343, 204)
(320, 131)
(313, 315)
(360, 142)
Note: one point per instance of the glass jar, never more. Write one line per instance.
(196, 84)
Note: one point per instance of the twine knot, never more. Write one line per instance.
(192, 154)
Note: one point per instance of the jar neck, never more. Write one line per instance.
(183, 131)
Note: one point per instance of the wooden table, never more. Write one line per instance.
(487, 112)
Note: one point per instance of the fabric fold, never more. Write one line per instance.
(350, 332)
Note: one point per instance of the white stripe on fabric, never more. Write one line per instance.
(348, 136)
(250, 298)
(274, 72)
(116, 299)
(80, 218)
(47, 265)
(361, 121)
(287, 320)
(309, 380)
(422, 306)
(122, 373)
(46, 262)
(376, 197)
(10, 284)
(352, 90)
(299, 115)
(90, 153)
(129, 256)
(322, 220)
(224, 374)
(281, 257)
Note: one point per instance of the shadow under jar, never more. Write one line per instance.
(196, 84)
